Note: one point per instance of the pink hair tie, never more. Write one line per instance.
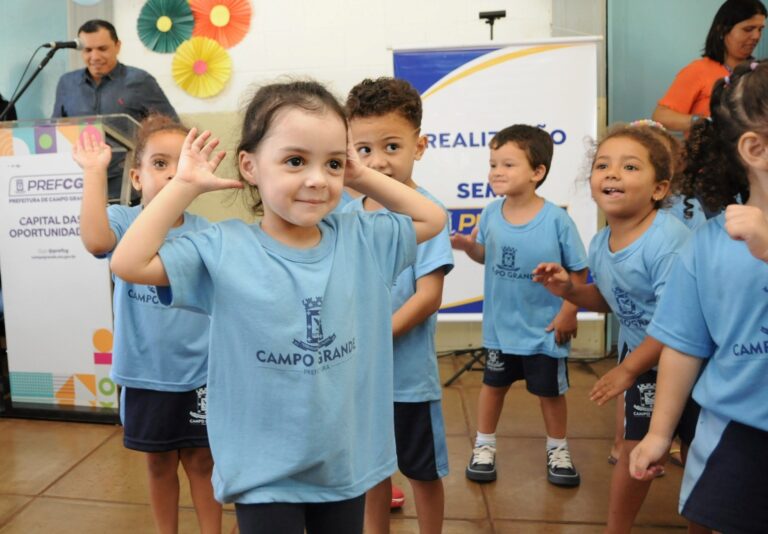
(754, 65)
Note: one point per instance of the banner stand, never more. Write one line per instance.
(56, 357)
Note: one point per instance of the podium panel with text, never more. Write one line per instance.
(57, 296)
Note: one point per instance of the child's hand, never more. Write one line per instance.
(353, 168)
(197, 163)
(554, 278)
(748, 224)
(565, 326)
(92, 153)
(647, 459)
(611, 384)
(463, 241)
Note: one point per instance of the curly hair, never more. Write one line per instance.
(371, 98)
(535, 142)
(307, 95)
(714, 172)
(149, 126)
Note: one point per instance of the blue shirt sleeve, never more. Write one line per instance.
(392, 241)
(679, 320)
(571, 247)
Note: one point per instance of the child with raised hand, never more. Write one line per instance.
(630, 260)
(714, 310)
(160, 354)
(385, 121)
(526, 330)
(300, 382)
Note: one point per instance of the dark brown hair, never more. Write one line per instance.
(535, 142)
(149, 126)
(371, 98)
(729, 15)
(307, 95)
(92, 26)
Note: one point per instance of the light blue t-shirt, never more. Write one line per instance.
(716, 307)
(345, 199)
(155, 347)
(517, 310)
(632, 279)
(416, 375)
(677, 208)
(300, 402)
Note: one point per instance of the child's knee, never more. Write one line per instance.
(197, 461)
(162, 464)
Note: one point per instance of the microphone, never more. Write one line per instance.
(74, 43)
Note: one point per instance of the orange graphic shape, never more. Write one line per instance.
(102, 340)
(89, 381)
(66, 393)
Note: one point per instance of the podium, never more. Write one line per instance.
(57, 296)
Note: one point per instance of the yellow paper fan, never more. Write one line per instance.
(201, 67)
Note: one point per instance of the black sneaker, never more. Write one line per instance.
(482, 464)
(560, 470)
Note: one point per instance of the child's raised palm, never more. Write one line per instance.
(353, 167)
(463, 241)
(91, 153)
(553, 277)
(198, 162)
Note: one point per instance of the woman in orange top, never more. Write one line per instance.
(733, 36)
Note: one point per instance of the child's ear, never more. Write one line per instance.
(135, 180)
(539, 173)
(421, 147)
(661, 190)
(247, 167)
(753, 149)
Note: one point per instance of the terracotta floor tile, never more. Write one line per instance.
(65, 516)
(518, 527)
(9, 504)
(450, 526)
(522, 492)
(36, 453)
(113, 473)
(454, 414)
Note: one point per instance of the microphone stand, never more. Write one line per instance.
(40, 67)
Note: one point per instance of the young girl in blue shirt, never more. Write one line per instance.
(160, 354)
(300, 378)
(630, 261)
(714, 312)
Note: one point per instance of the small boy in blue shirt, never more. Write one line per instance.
(385, 119)
(526, 331)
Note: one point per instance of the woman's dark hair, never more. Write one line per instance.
(729, 15)
(307, 95)
(714, 172)
(92, 26)
(149, 126)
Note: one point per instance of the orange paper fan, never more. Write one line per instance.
(201, 67)
(225, 21)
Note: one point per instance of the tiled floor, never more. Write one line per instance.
(73, 478)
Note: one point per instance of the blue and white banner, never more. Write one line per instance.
(469, 94)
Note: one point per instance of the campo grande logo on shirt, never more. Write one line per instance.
(315, 339)
(629, 314)
(508, 267)
(320, 352)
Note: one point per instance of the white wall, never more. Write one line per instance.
(338, 42)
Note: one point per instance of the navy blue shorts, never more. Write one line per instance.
(422, 453)
(544, 376)
(724, 486)
(160, 421)
(639, 400)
